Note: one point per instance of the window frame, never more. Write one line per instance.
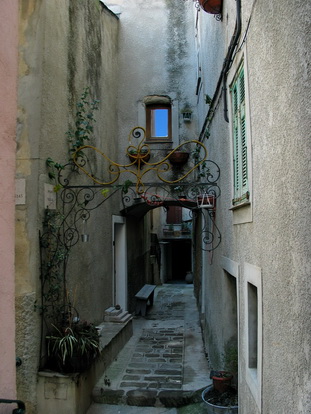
(149, 109)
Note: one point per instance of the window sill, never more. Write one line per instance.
(158, 141)
(241, 205)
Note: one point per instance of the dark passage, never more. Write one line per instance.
(181, 259)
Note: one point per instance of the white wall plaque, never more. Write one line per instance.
(20, 191)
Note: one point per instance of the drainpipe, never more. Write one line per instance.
(233, 44)
(224, 72)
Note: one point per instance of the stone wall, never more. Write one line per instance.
(65, 47)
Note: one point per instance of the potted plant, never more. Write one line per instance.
(185, 229)
(177, 229)
(220, 403)
(178, 158)
(221, 380)
(221, 397)
(135, 154)
(72, 348)
(211, 6)
(168, 230)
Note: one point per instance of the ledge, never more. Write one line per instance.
(72, 393)
(245, 203)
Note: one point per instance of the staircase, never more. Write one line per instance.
(116, 314)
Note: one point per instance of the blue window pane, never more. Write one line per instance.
(160, 123)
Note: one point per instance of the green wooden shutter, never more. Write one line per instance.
(240, 167)
(236, 157)
(244, 172)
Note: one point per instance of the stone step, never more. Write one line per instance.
(126, 409)
(120, 317)
(144, 397)
(112, 311)
(126, 317)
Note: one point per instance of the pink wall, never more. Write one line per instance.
(8, 85)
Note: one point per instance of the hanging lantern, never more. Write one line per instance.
(211, 6)
(84, 235)
(206, 200)
(187, 115)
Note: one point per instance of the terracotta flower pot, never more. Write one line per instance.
(178, 158)
(143, 156)
(211, 6)
(222, 380)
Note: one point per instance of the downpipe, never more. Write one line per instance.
(228, 60)
(224, 72)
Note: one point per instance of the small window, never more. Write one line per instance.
(158, 122)
(174, 215)
(252, 297)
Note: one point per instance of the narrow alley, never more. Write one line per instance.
(163, 364)
(155, 150)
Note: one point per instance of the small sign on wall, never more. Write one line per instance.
(20, 191)
(49, 197)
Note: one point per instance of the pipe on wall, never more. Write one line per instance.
(227, 63)
(224, 72)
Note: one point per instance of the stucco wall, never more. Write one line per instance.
(275, 239)
(156, 57)
(8, 81)
(64, 48)
(281, 166)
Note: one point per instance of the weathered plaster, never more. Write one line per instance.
(64, 47)
(8, 78)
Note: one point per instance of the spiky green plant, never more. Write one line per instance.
(80, 340)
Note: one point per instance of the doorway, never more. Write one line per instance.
(177, 260)
(119, 293)
(181, 259)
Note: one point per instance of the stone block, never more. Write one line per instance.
(146, 398)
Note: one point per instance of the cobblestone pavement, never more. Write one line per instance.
(157, 361)
(163, 364)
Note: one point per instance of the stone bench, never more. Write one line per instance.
(145, 295)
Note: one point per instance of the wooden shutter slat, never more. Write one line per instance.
(240, 167)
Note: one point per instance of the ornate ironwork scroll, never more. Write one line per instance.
(139, 156)
(63, 230)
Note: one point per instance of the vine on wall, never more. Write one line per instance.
(61, 321)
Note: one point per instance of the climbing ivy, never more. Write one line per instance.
(84, 122)
(54, 243)
(78, 135)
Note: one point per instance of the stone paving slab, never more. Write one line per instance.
(164, 363)
(124, 409)
(198, 408)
